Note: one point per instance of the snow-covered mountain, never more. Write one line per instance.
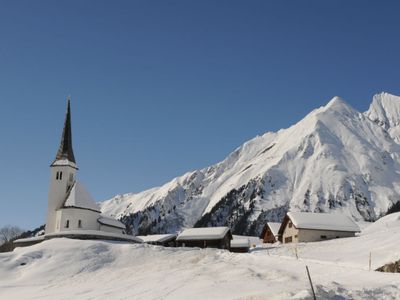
(335, 159)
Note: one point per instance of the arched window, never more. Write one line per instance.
(57, 175)
(60, 175)
(67, 224)
(79, 223)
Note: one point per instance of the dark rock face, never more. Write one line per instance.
(237, 207)
(394, 208)
(390, 268)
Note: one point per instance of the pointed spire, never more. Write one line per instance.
(65, 151)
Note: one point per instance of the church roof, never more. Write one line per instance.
(78, 197)
(108, 221)
(65, 151)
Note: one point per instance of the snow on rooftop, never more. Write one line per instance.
(156, 238)
(205, 233)
(111, 222)
(79, 197)
(240, 243)
(323, 221)
(274, 227)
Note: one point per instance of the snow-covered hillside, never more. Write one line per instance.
(335, 159)
(83, 269)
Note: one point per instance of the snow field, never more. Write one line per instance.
(76, 269)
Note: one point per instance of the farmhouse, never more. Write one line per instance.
(311, 227)
(206, 237)
(166, 240)
(270, 232)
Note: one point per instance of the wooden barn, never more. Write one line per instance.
(166, 240)
(270, 232)
(312, 227)
(241, 245)
(206, 237)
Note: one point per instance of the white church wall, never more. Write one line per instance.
(87, 218)
(57, 193)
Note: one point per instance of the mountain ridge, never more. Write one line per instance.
(334, 159)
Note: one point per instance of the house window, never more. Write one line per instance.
(67, 224)
(288, 239)
(79, 223)
(323, 237)
(290, 224)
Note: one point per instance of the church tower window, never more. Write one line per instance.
(79, 223)
(67, 224)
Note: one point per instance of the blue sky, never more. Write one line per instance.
(160, 88)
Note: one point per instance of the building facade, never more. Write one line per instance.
(311, 227)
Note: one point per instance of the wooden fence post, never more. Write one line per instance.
(370, 254)
(311, 284)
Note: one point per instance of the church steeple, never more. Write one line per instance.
(65, 150)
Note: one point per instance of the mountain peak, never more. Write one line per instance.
(385, 110)
(337, 102)
(337, 106)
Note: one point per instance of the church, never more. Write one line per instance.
(71, 211)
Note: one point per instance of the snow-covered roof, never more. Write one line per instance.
(240, 243)
(79, 197)
(156, 238)
(205, 233)
(323, 221)
(108, 221)
(274, 227)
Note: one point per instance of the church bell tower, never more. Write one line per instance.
(63, 171)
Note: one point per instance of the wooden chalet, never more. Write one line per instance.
(206, 237)
(270, 232)
(312, 227)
